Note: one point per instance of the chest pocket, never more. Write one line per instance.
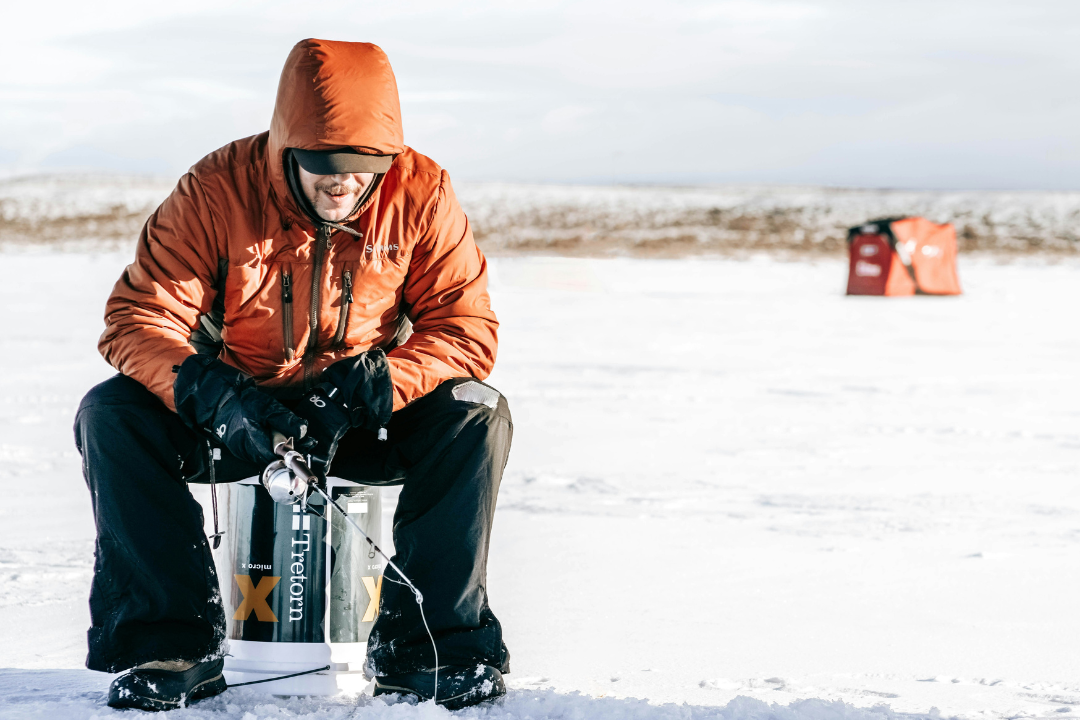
(347, 275)
(287, 312)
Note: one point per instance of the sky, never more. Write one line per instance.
(949, 94)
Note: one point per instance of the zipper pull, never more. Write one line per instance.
(348, 286)
(286, 287)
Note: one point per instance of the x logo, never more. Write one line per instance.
(255, 598)
(374, 590)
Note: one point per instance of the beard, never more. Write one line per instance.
(333, 188)
(336, 201)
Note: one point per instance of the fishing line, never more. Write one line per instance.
(408, 583)
(279, 677)
(296, 471)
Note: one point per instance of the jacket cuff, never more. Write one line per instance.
(203, 383)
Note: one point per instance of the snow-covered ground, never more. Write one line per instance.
(734, 493)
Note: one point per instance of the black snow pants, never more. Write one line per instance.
(155, 591)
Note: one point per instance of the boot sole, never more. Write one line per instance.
(457, 702)
(207, 688)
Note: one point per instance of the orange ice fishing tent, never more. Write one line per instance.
(902, 256)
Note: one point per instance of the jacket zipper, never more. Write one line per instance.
(322, 243)
(286, 315)
(346, 304)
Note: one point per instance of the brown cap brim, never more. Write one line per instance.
(338, 162)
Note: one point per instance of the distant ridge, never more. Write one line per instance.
(107, 211)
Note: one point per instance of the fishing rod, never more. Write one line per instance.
(290, 480)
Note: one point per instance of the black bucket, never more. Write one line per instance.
(300, 589)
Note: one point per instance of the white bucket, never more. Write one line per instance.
(300, 591)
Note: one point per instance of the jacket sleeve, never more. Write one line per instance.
(446, 296)
(156, 303)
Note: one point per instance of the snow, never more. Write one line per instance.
(734, 493)
(53, 197)
(45, 695)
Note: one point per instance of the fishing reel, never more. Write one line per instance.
(289, 480)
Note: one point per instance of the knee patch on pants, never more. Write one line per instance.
(474, 392)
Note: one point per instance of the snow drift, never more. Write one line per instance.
(74, 211)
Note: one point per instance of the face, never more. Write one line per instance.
(334, 196)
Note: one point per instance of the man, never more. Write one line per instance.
(282, 265)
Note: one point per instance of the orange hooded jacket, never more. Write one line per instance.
(293, 306)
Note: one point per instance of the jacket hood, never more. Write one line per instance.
(334, 94)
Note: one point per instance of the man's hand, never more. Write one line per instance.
(355, 392)
(219, 400)
(366, 392)
(328, 421)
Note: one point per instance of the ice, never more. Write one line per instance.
(733, 493)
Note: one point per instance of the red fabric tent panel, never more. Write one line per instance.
(875, 267)
(871, 265)
(932, 248)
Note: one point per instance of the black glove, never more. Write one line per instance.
(354, 392)
(366, 392)
(328, 421)
(219, 400)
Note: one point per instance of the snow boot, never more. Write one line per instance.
(458, 686)
(167, 685)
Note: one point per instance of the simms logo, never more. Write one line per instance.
(381, 249)
(255, 598)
